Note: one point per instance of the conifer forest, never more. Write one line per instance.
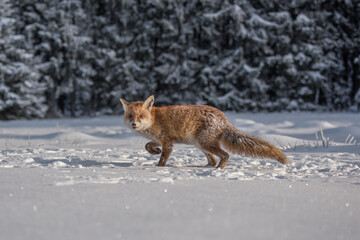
(66, 58)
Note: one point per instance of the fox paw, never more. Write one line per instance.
(221, 166)
(160, 164)
(152, 148)
(154, 151)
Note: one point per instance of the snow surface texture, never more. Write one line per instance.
(91, 178)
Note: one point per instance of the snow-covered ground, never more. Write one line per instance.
(91, 178)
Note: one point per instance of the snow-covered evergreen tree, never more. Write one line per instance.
(57, 30)
(21, 91)
(238, 55)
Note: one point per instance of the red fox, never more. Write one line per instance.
(205, 127)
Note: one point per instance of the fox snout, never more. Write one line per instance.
(134, 125)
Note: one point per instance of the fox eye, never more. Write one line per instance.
(141, 116)
(130, 116)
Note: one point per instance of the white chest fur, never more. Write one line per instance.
(147, 134)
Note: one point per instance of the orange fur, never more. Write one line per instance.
(205, 127)
(244, 144)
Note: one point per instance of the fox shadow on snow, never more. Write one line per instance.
(76, 161)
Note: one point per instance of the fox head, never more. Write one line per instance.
(137, 115)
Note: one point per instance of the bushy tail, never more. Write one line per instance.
(239, 143)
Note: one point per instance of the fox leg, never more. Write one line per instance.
(215, 149)
(152, 148)
(211, 159)
(166, 150)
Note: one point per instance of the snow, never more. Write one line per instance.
(91, 178)
(256, 20)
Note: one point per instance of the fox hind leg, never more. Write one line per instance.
(215, 149)
(211, 159)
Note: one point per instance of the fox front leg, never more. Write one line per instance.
(152, 148)
(166, 150)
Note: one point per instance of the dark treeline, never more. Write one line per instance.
(78, 57)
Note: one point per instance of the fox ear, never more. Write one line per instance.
(149, 102)
(125, 104)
